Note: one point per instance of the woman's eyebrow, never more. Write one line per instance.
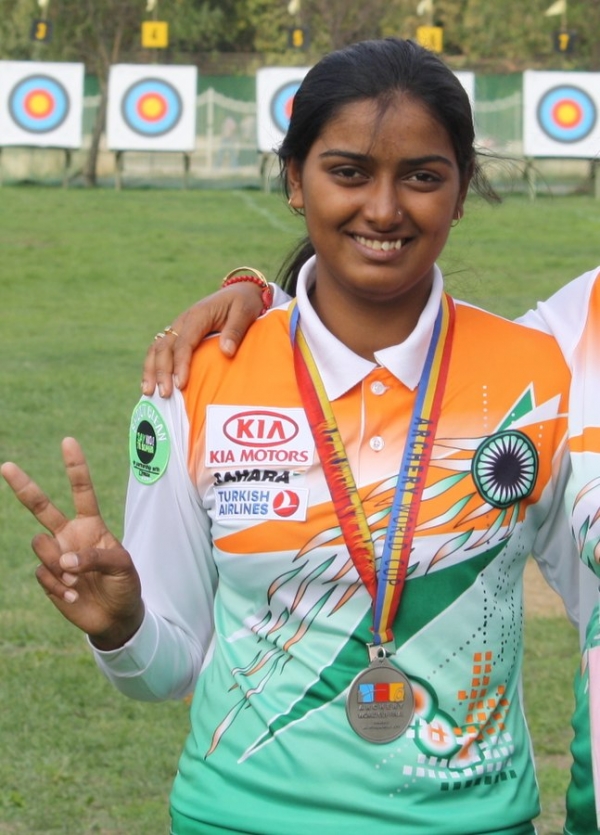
(335, 152)
(416, 161)
(429, 158)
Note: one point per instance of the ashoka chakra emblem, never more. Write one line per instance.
(505, 468)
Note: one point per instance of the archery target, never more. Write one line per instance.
(275, 91)
(566, 114)
(561, 114)
(152, 108)
(41, 104)
(281, 105)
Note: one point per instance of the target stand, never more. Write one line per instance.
(120, 169)
(68, 158)
(595, 178)
(530, 173)
(269, 170)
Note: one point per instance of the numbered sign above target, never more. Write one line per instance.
(41, 104)
(275, 91)
(151, 108)
(561, 114)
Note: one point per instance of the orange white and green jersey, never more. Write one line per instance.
(573, 317)
(254, 604)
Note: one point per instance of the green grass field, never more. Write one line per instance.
(86, 280)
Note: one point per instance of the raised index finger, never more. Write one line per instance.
(78, 473)
(33, 497)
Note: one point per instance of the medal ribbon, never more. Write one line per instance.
(387, 585)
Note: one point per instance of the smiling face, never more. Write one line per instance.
(379, 193)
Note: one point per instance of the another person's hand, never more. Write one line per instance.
(229, 311)
(84, 570)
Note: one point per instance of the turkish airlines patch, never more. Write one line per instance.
(242, 436)
(260, 503)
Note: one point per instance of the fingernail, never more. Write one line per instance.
(68, 579)
(176, 380)
(69, 561)
(70, 596)
(229, 347)
(161, 390)
(144, 387)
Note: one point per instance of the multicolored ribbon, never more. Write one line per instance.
(593, 660)
(386, 585)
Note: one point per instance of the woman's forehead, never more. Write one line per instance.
(397, 118)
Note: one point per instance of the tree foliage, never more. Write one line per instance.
(516, 35)
(510, 34)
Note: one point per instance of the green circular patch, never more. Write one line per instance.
(149, 443)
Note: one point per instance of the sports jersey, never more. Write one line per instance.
(253, 602)
(573, 316)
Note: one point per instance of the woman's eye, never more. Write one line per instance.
(424, 177)
(347, 172)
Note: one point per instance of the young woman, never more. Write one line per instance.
(326, 537)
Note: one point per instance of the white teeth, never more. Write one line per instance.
(386, 246)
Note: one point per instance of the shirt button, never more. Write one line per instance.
(378, 387)
(377, 443)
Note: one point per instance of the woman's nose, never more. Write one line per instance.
(382, 208)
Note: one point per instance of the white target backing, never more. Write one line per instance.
(561, 114)
(275, 91)
(467, 79)
(41, 104)
(151, 108)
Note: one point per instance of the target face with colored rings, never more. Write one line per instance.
(567, 114)
(281, 104)
(38, 104)
(151, 107)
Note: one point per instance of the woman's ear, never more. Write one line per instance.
(294, 184)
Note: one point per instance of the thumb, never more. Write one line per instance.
(241, 315)
(230, 341)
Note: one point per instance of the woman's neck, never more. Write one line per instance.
(364, 326)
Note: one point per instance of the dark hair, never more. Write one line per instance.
(376, 69)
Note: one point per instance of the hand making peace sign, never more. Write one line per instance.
(85, 571)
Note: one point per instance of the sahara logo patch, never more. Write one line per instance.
(149, 443)
(273, 476)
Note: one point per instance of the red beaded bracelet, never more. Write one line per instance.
(256, 277)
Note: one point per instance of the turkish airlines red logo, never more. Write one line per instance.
(260, 429)
(286, 503)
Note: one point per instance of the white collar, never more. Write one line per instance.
(341, 369)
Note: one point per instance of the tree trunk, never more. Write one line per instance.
(91, 163)
(104, 60)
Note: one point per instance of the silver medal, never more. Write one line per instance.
(381, 702)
